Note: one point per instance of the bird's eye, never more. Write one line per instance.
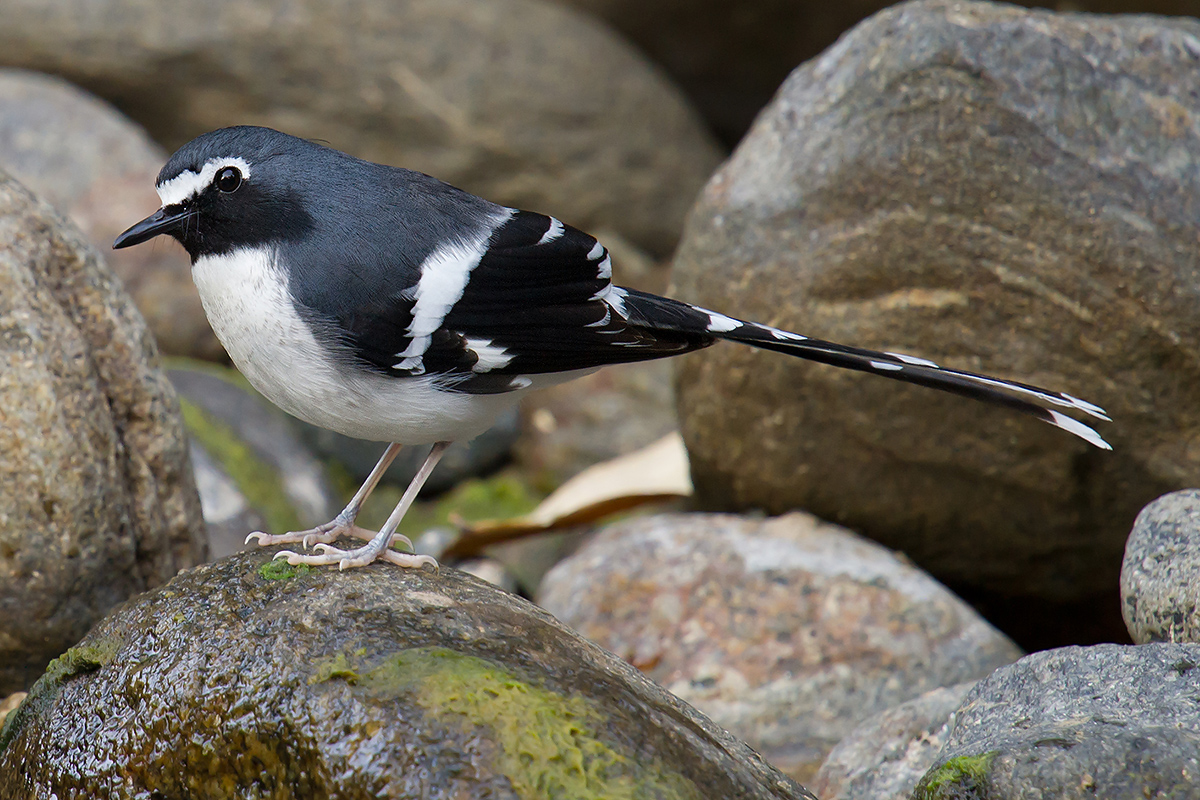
(229, 179)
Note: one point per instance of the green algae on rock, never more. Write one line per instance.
(376, 682)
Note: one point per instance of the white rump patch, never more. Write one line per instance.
(490, 356)
(886, 366)
(555, 231)
(444, 276)
(785, 336)
(188, 184)
(719, 323)
(615, 297)
(595, 252)
(916, 362)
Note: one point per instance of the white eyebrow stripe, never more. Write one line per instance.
(189, 184)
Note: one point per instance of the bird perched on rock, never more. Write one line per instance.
(386, 305)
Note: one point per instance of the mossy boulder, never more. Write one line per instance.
(238, 680)
(1078, 722)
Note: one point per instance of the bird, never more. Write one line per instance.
(387, 305)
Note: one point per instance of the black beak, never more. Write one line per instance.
(160, 221)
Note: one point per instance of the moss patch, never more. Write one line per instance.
(76, 661)
(501, 496)
(547, 741)
(336, 668)
(961, 777)
(256, 479)
(280, 570)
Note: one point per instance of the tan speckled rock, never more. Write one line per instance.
(97, 168)
(520, 101)
(788, 632)
(97, 501)
(1001, 190)
(249, 678)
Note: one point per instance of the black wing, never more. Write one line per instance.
(540, 300)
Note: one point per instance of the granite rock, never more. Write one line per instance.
(1160, 576)
(885, 757)
(98, 501)
(1077, 723)
(1000, 190)
(788, 632)
(97, 168)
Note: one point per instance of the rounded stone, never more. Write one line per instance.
(1160, 576)
(1111, 720)
(249, 678)
(788, 632)
(98, 501)
(98, 169)
(1000, 190)
(520, 101)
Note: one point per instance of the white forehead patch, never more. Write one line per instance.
(189, 184)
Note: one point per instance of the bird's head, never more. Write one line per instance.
(231, 188)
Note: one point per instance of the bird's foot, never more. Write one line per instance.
(359, 557)
(326, 534)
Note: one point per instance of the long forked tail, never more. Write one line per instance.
(651, 311)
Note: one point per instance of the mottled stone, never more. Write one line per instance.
(572, 426)
(998, 190)
(97, 168)
(249, 678)
(1160, 576)
(788, 631)
(885, 757)
(521, 101)
(97, 501)
(730, 56)
(1077, 723)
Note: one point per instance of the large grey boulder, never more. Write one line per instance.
(996, 189)
(522, 101)
(788, 632)
(1107, 721)
(248, 678)
(97, 502)
(97, 168)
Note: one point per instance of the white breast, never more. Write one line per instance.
(245, 297)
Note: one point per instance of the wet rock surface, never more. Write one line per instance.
(788, 632)
(942, 182)
(1160, 576)
(97, 168)
(886, 756)
(98, 501)
(1078, 722)
(520, 101)
(247, 678)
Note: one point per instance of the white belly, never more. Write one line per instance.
(246, 301)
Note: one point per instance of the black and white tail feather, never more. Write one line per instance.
(660, 313)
